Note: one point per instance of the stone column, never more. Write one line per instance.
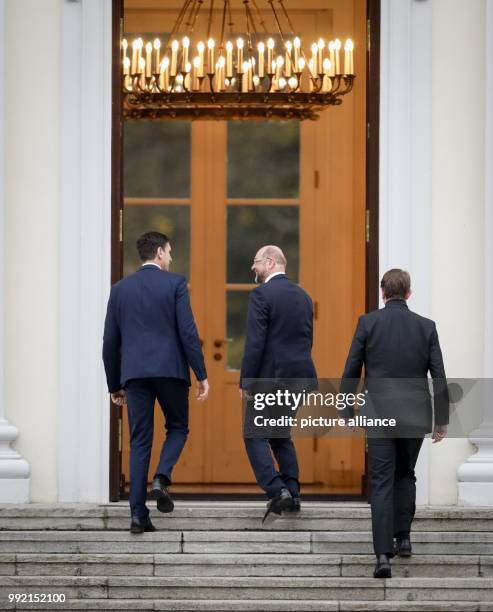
(14, 470)
(476, 474)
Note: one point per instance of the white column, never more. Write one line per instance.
(14, 470)
(405, 158)
(85, 220)
(476, 474)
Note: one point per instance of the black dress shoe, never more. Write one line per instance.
(277, 504)
(164, 501)
(139, 526)
(382, 568)
(403, 547)
(295, 505)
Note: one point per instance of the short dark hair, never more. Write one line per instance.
(396, 283)
(148, 244)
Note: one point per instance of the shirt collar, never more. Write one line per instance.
(151, 263)
(272, 276)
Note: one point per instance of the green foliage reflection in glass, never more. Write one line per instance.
(237, 306)
(263, 159)
(253, 226)
(174, 221)
(157, 159)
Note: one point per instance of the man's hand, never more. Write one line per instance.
(119, 397)
(202, 390)
(439, 433)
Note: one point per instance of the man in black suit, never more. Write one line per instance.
(395, 343)
(150, 340)
(278, 346)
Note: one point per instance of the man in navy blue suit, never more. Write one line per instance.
(150, 341)
(278, 346)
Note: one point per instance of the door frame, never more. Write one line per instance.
(371, 180)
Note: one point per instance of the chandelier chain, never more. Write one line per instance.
(195, 16)
(209, 23)
(288, 18)
(260, 17)
(271, 2)
(178, 22)
(223, 23)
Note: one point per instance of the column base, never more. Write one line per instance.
(475, 486)
(475, 494)
(14, 490)
(14, 470)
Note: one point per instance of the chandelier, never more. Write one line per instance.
(255, 75)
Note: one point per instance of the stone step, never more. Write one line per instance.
(264, 588)
(253, 565)
(230, 516)
(235, 542)
(259, 605)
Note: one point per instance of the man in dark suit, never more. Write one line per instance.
(278, 346)
(150, 340)
(395, 343)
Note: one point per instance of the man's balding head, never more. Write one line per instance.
(268, 260)
(273, 252)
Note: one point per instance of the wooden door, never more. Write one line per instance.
(314, 208)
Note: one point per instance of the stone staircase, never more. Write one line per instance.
(217, 556)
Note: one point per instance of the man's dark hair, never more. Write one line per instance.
(396, 284)
(148, 244)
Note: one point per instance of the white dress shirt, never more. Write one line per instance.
(272, 276)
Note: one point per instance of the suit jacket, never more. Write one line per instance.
(279, 334)
(396, 343)
(149, 330)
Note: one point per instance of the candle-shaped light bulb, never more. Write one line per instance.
(229, 59)
(148, 59)
(320, 55)
(135, 46)
(239, 53)
(287, 65)
(157, 47)
(293, 82)
(244, 79)
(313, 62)
(337, 47)
(326, 83)
(221, 82)
(270, 52)
(348, 57)
(279, 65)
(164, 76)
(301, 64)
(297, 47)
(185, 44)
(124, 49)
(195, 79)
(210, 56)
(261, 60)
(200, 67)
(282, 83)
(332, 58)
(175, 45)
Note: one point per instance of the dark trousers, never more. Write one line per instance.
(393, 489)
(172, 395)
(260, 450)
